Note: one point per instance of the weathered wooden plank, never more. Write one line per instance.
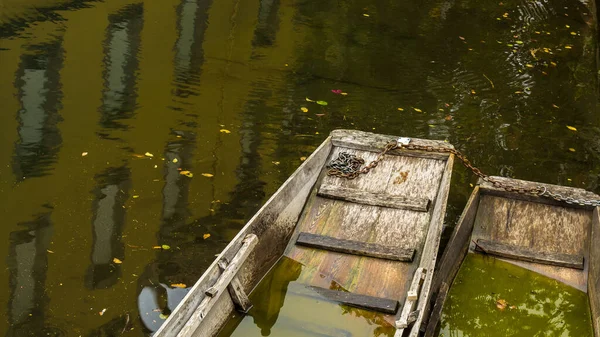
(594, 270)
(408, 314)
(355, 247)
(367, 141)
(223, 282)
(576, 193)
(436, 312)
(541, 227)
(432, 245)
(526, 254)
(273, 223)
(236, 291)
(456, 250)
(384, 305)
(374, 199)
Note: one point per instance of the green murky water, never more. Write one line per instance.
(217, 87)
(285, 307)
(493, 298)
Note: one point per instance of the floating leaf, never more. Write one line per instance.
(567, 26)
(83, 154)
(148, 154)
(224, 131)
(462, 38)
(336, 91)
(302, 158)
(276, 162)
(102, 312)
(136, 196)
(448, 118)
(572, 128)
(175, 160)
(163, 316)
(553, 64)
(206, 236)
(304, 109)
(366, 15)
(344, 94)
(431, 125)
(418, 110)
(322, 103)
(309, 100)
(473, 92)
(573, 33)
(117, 261)
(208, 175)
(400, 109)
(49, 251)
(571, 149)
(501, 304)
(529, 65)
(178, 285)
(319, 115)
(568, 47)
(156, 247)
(186, 173)
(555, 106)
(165, 247)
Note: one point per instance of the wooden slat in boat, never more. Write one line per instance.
(538, 229)
(407, 177)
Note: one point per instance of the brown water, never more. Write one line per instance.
(493, 298)
(217, 88)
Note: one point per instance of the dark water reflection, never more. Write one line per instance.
(149, 89)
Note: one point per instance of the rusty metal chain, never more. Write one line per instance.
(348, 166)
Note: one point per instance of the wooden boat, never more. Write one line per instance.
(376, 236)
(554, 238)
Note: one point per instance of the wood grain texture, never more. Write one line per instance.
(355, 247)
(370, 224)
(218, 288)
(530, 255)
(367, 141)
(236, 291)
(432, 245)
(576, 193)
(385, 305)
(539, 227)
(594, 277)
(273, 224)
(373, 199)
(456, 250)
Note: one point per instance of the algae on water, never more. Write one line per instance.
(493, 298)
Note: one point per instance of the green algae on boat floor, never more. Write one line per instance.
(490, 297)
(285, 307)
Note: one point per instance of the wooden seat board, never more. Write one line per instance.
(525, 254)
(373, 199)
(519, 223)
(411, 177)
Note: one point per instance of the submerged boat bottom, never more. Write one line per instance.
(490, 297)
(285, 307)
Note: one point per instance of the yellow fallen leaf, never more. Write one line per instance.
(529, 65)
(165, 247)
(117, 261)
(555, 106)
(148, 154)
(309, 100)
(224, 131)
(572, 128)
(102, 312)
(206, 236)
(163, 316)
(208, 175)
(365, 14)
(571, 149)
(473, 92)
(573, 33)
(178, 285)
(83, 154)
(49, 251)
(418, 110)
(186, 173)
(276, 162)
(302, 158)
(400, 109)
(175, 160)
(304, 109)
(136, 196)
(344, 94)
(156, 247)
(568, 47)
(501, 304)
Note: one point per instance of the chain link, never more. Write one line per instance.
(348, 166)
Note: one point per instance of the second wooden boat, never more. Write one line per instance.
(559, 239)
(370, 242)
